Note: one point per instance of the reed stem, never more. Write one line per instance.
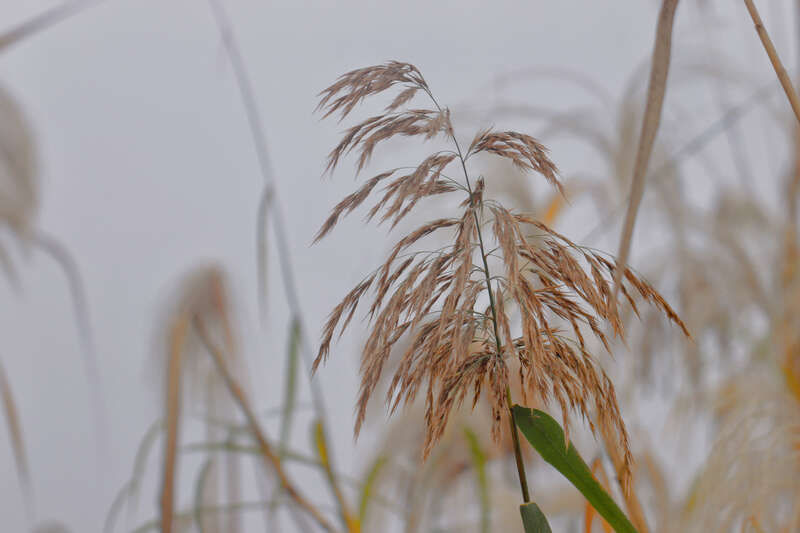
(783, 77)
(523, 479)
(270, 457)
(269, 202)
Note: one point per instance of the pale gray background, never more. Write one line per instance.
(147, 167)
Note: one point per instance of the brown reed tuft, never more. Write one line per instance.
(201, 317)
(546, 287)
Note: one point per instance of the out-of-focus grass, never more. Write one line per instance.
(732, 266)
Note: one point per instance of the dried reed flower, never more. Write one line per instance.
(201, 320)
(752, 469)
(201, 296)
(692, 269)
(459, 346)
(19, 206)
(442, 490)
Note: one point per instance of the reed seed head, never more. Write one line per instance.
(545, 295)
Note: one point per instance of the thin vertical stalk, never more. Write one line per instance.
(348, 519)
(656, 90)
(772, 53)
(177, 341)
(269, 201)
(523, 479)
(269, 205)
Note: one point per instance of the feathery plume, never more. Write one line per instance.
(543, 288)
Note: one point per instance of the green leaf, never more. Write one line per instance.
(199, 493)
(230, 447)
(290, 392)
(321, 446)
(546, 435)
(289, 398)
(115, 508)
(368, 486)
(140, 465)
(479, 464)
(533, 519)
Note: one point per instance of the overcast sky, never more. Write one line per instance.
(147, 168)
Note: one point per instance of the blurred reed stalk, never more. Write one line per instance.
(17, 442)
(271, 458)
(43, 21)
(656, 90)
(772, 53)
(269, 205)
(59, 253)
(202, 310)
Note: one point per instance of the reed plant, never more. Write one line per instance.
(545, 296)
(506, 316)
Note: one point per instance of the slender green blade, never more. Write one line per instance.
(289, 398)
(115, 508)
(140, 465)
(261, 248)
(320, 444)
(199, 494)
(367, 491)
(546, 435)
(290, 392)
(248, 450)
(533, 519)
(478, 457)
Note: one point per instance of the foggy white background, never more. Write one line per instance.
(147, 168)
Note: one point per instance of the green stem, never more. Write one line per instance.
(523, 480)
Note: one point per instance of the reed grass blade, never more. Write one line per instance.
(547, 437)
(533, 519)
(479, 460)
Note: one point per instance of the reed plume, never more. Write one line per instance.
(201, 319)
(547, 297)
